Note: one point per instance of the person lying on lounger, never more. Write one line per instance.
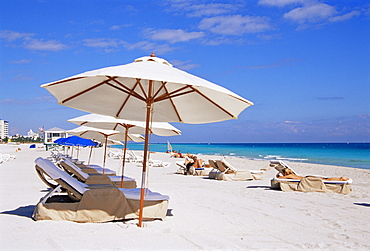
(193, 162)
(289, 174)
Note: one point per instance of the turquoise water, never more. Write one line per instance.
(342, 154)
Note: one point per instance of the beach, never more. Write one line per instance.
(203, 213)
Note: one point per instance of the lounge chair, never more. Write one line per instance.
(312, 183)
(212, 174)
(86, 168)
(95, 169)
(5, 157)
(93, 203)
(89, 177)
(227, 172)
(134, 157)
(115, 154)
(199, 171)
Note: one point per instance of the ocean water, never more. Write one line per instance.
(355, 155)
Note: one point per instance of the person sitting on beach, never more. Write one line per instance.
(192, 162)
(178, 154)
(289, 174)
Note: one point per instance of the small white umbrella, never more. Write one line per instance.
(103, 135)
(149, 89)
(126, 126)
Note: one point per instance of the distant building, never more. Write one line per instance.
(32, 134)
(4, 129)
(53, 134)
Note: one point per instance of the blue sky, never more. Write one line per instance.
(304, 63)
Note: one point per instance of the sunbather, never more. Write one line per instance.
(289, 174)
(177, 154)
(193, 162)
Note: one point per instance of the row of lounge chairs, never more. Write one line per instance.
(132, 157)
(222, 170)
(83, 194)
(6, 157)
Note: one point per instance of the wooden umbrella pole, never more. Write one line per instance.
(124, 158)
(105, 152)
(149, 104)
(91, 148)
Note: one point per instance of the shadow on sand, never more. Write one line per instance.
(265, 187)
(363, 204)
(25, 211)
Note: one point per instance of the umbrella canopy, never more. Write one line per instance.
(101, 134)
(150, 90)
(60, 141)
(124, 91)
(123, 125)
(126, 126)
(75, 141)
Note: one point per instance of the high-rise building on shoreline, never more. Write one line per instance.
(4, 129)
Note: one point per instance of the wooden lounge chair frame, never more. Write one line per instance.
(94, 203)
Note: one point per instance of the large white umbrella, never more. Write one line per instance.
(149, 89)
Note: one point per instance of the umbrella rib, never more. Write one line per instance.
(160, 88)
(66, 80)
(85, 91)
(142, 88)
(175, 93)
(128, 90)
(173, 105)
(131, 93)
(214, 103)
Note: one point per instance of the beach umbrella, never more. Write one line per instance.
(75, 141)
(150, 89)
(102, 135)
(60, 141)
(79, 142)
(126, 126)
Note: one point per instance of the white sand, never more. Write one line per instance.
(206, 214)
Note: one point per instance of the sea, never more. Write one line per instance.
(356, 155)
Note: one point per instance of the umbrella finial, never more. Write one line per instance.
(152, 55)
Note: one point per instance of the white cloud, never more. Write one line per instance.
(194, 9)
(197, 10)
(235, 25)
(40, 45)
(173, 36)
(22, 61)
(345, 16)
(13, 35)
(102, 42)
(118, 27)
(149, 47)
(311, 13)
(280, 3)
(22, 77)
(183, 65)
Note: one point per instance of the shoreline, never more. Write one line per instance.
(204, 213)
(315, 153)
